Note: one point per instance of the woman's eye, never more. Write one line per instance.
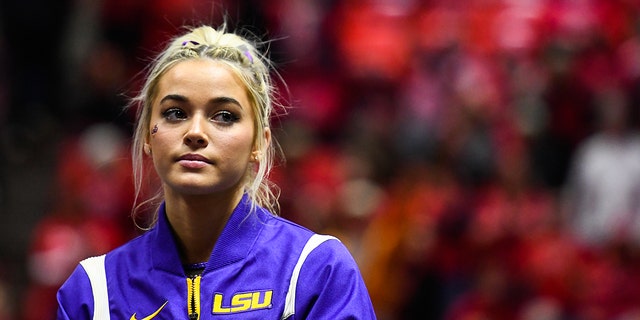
(225, 117)
(174, 114)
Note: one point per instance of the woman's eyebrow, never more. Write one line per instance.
(225, 100)
(174, 97)
(215, 101)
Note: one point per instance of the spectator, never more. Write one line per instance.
(604, 188)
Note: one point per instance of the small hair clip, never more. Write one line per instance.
(190, 41)
(246, 52)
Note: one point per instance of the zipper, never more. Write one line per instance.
(193, 297)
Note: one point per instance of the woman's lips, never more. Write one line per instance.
(193, 161)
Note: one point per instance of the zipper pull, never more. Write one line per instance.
(193, 316)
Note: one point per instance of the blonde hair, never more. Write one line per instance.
(251, 67)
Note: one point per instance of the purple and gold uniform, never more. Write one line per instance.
(262, 267)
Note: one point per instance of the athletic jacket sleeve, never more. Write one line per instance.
(75, 299)
(330, 286)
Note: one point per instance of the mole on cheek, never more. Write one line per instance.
(155, 129)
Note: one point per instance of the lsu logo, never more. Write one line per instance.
(246, 301)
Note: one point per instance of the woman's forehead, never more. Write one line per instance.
(202, 78)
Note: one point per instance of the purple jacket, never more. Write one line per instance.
(257, 269)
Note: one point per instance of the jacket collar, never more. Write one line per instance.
(234, 244)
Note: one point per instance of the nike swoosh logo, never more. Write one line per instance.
(151, 316)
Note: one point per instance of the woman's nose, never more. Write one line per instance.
(196, 136)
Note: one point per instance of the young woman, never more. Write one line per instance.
(216, 250)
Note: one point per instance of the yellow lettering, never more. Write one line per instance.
(217, 304)
(241, 302)
(266, 303)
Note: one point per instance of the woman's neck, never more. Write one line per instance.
(198, 221)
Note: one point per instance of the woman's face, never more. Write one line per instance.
(201, 129)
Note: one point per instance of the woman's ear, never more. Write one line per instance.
(256, 155)
(147, 148)
(267, 137)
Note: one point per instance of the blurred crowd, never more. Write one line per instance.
(480, 158)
